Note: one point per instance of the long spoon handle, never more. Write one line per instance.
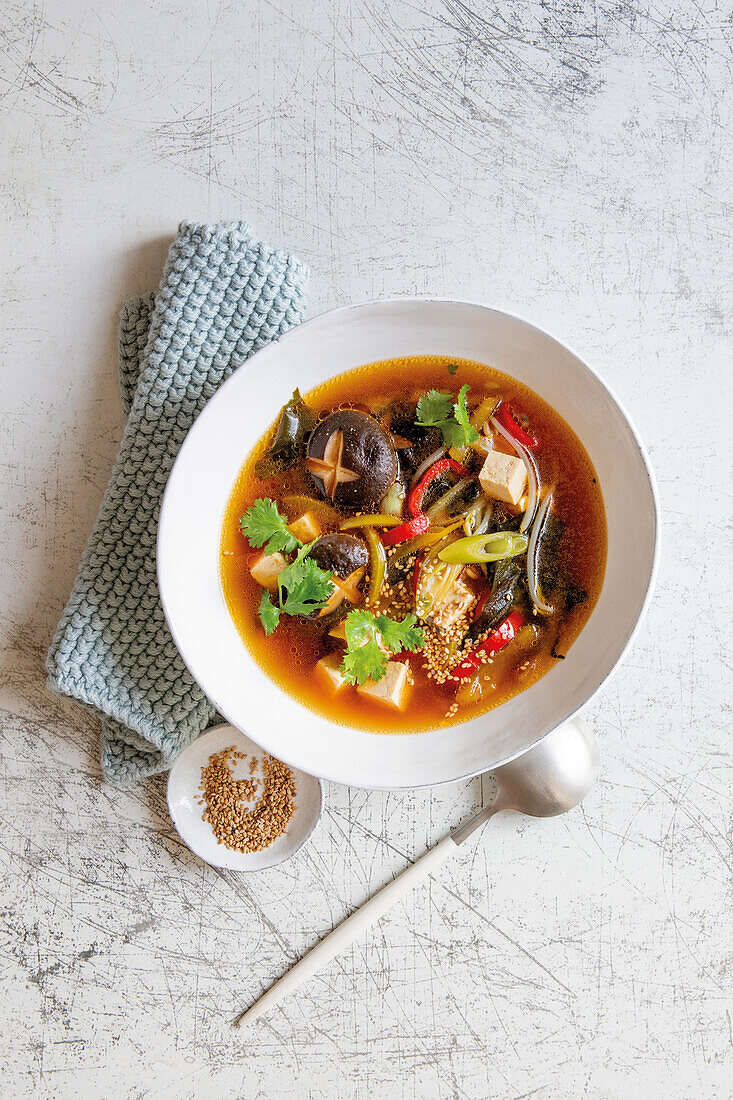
(350, 929)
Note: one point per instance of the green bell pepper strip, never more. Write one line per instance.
(377, 563)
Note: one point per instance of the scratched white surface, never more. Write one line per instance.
(571, 162)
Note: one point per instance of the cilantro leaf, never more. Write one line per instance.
(460, 412)
(269, 614)
(397, 636)
(433, 408)
(453, 434)
(366, 662)
(306, 586)
(262, 523)
(436, 409)
(452, 368)
(365, 659)
(359, 628)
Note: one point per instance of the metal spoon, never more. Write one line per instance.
(549, 779)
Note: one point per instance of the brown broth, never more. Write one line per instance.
(290, 654)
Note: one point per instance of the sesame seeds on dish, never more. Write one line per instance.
(239, 827)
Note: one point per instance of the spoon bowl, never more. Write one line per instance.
(552, 777)
(547, 780)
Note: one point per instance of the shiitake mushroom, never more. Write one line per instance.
(351, 459)
(339, 553)
(346, 558)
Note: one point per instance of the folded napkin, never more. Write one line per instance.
(223, 296)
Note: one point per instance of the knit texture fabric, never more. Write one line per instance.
(223, 296)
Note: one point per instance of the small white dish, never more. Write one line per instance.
(187, 813)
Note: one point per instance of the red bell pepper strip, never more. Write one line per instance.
(418, 525)
(504, 415)
(496, 640)
(480, 605)
(414, 501)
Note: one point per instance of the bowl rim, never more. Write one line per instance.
(641, 448)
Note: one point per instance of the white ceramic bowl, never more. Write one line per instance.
(214, 451)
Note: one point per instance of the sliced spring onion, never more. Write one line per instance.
(426, 465)
(380, 519)
(377, 563)
(533, 477)
(479, 548)
(439, 510)
(393, 502)
(478, 519)
(532, 557)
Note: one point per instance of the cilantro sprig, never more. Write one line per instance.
(302, 586)
(264, 526)
(365, 659)
(268, 612)
(436, 409)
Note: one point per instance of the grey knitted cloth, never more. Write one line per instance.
(223, 296)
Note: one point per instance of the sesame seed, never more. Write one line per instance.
(235, 825)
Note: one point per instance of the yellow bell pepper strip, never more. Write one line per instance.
(373, 520)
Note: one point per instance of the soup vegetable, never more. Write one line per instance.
(413, 543)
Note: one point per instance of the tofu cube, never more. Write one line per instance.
(504, 477)
(392, 689)
(329, 669)
(306, 527)
(454, 606)
(267, 568)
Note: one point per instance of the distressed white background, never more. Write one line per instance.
(570, 161)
